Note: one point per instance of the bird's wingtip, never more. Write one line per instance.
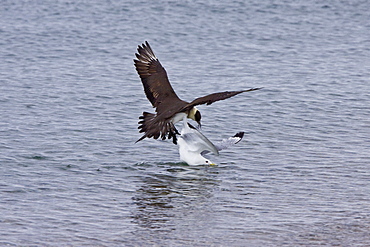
(141, 138)
(253, 89)
(239, 134)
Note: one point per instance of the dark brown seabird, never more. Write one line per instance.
(170, 109)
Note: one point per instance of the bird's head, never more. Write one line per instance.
(208, 162)
(195, 115)
(196, 160)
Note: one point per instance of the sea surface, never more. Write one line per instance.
(72, 175)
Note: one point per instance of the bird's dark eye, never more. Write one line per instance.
(207, 161)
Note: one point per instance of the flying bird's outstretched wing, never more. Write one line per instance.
(153, 76)
(209, 99)
(160, 93)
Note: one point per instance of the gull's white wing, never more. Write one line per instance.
(226, 143)
(196, 141)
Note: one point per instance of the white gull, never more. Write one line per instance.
(193, 144)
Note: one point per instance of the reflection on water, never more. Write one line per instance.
(177, 189)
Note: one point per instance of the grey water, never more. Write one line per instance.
(72, 175)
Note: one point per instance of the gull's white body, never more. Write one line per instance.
(192, 144)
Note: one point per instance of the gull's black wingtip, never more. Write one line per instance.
(239, 134)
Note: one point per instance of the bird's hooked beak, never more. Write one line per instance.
(199, 124)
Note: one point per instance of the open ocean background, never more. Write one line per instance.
(70, 98)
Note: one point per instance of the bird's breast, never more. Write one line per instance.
(178, 117)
